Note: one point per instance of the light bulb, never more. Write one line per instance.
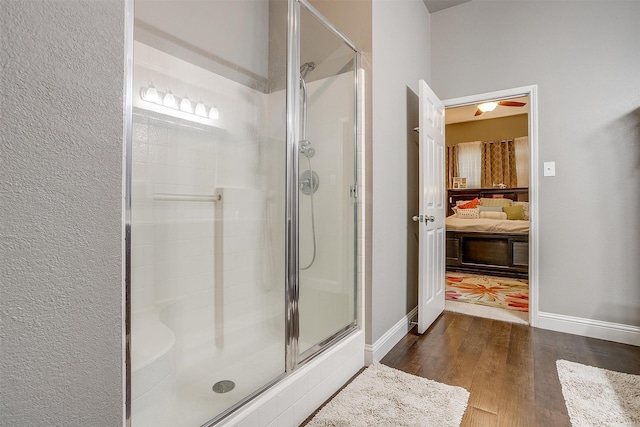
(201, 110)
(486, 107)
(169, 100)
(214, 114)
(185, 105)
(149, 94)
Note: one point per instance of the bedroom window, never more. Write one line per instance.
(490, 164)
(469, 162)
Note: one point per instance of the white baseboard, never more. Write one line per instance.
(609, 331)
(390, 338)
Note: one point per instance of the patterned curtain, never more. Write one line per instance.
(499, 164)
(451, 164)
(522, 160)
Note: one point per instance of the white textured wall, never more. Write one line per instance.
(584, 57)
(60, 237)
(400, 60)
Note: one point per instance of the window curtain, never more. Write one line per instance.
(522, 161)
(452, 164)
(499, 164)
(469, 162)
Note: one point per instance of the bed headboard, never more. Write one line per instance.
(515, 194)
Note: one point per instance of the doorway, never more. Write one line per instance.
(492, 265)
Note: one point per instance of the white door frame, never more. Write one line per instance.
(532, 92)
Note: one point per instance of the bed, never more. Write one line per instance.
(487, 245)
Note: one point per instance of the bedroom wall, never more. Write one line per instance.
(584, 58)
(61, 235)
(488, 130)
(400, 60)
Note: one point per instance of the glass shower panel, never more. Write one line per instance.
(207, 218)
(327, 173)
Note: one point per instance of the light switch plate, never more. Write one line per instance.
(549, 168)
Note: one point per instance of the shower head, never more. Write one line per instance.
(306, 67)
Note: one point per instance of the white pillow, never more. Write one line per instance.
(468, 213)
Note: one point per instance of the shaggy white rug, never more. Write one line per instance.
(383, 396)
(599, 397)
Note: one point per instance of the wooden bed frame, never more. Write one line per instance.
(499, 254)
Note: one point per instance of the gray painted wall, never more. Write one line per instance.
(400, 60)
(584, 57)
(60, 236)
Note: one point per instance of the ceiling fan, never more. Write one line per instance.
(486, 107)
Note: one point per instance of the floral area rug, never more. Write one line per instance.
(501, 292)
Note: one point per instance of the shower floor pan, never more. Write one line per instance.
(192, 401)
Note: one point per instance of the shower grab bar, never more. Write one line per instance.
(170, 197)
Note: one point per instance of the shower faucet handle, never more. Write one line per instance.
(306, 149)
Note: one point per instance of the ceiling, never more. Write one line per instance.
(434, 6)
(466, 113)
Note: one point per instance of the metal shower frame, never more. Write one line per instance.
(293, 356)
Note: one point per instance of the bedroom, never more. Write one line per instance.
(487, 225)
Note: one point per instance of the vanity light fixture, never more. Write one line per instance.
(150, 94)
(185, 105)
(201, 110)
(169, 100)
(214, 114)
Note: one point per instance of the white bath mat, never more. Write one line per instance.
(383, 396)
(599, 397)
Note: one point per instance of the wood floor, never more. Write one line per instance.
(508, 369)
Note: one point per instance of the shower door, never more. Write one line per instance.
(207, 187)
(326, 192)
(241, 201)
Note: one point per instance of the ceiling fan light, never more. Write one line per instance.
(486, 107)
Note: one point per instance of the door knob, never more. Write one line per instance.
(417, 218)
(429, 218)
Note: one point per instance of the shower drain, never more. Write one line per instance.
(223, 386)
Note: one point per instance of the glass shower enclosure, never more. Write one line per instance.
(240, 195)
